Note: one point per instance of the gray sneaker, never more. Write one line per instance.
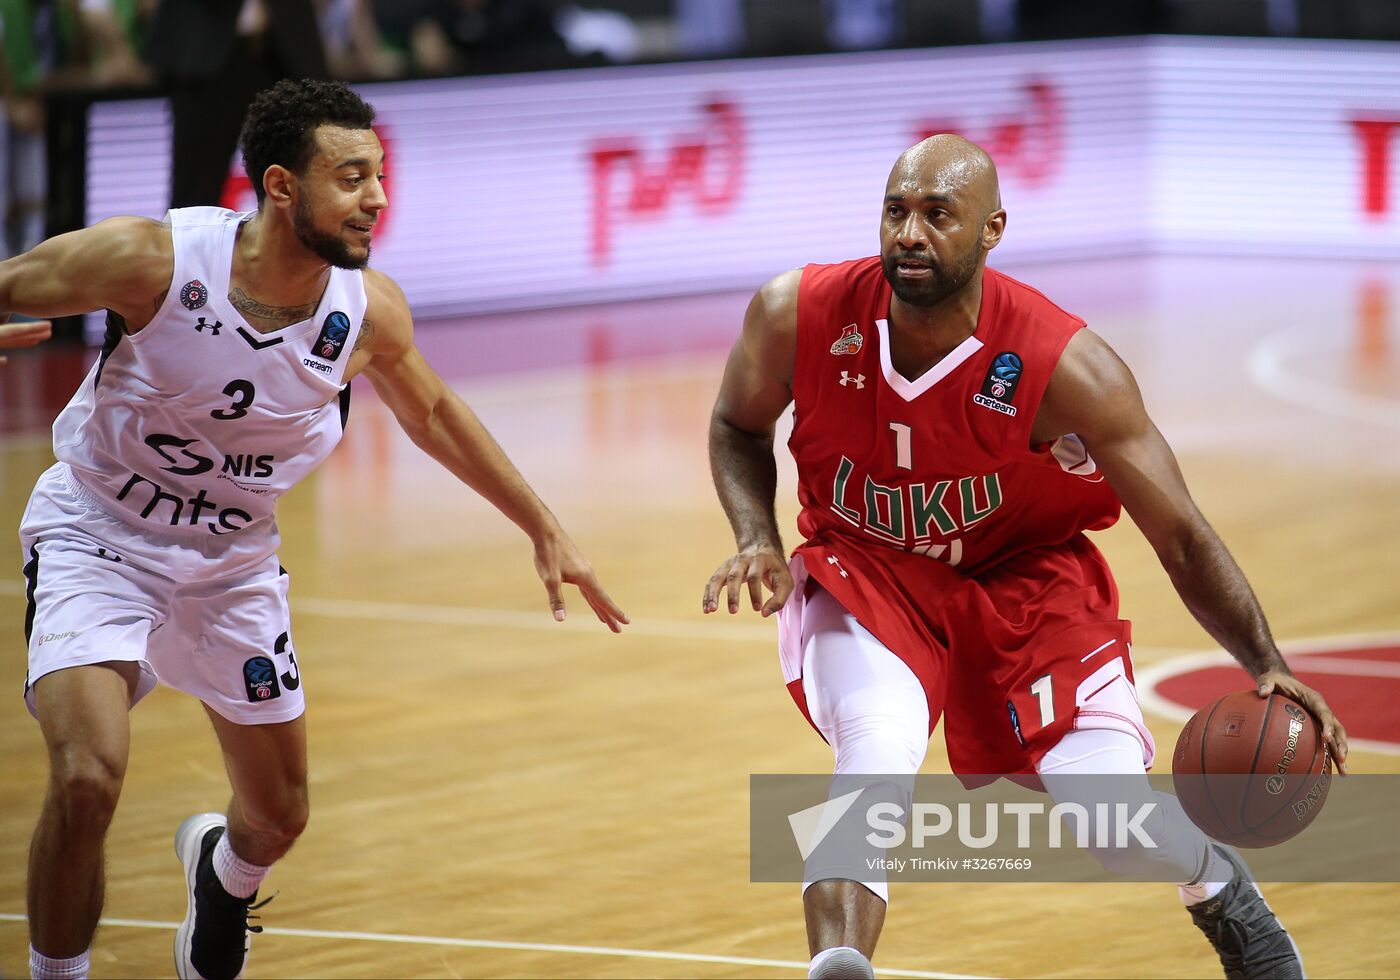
(845, 964)
(1252, 943)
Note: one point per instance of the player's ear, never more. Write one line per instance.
(993, 228)
(278, 182)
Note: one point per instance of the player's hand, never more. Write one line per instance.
(24, 334)
(557, 560)
(1332, 731)
(756, 567)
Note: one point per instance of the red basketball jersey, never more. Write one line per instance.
(942, 465)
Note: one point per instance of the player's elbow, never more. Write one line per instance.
(724, 430)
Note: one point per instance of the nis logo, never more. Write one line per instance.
(182, 460)
(703, 165)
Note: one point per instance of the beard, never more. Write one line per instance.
(930, 292)
(329, 248)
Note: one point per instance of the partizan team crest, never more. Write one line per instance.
(193, 295)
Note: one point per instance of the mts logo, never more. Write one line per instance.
(1028, 142)
(705, 165)
(1375, 137)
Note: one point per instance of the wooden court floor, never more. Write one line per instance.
(498, 795)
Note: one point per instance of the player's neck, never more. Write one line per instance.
(944, 325)
(270, 263)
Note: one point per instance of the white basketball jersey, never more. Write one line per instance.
(197, 423)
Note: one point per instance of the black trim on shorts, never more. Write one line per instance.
(116, 329)
(344, 406)
(31, 576)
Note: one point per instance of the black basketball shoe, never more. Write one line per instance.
(1252, 943)
(212, 942)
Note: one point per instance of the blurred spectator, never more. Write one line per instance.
(354, 48)
(862, 25)
(709, 28)
(446, 37)
(109, 32)
(28, 52)
(610, 34)
(214, 56)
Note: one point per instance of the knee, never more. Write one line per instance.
(879, 744)
(85, 785)
(281, 818)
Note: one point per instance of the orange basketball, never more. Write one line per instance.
(1252, 771)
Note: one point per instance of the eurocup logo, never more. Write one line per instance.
(333, 335)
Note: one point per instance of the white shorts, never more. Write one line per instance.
(205, 616)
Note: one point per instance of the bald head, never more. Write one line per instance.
(949, 165)
(942, 214)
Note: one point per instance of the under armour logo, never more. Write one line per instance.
(833, 560)
(213, 327)
(110, 556)
(858, 380)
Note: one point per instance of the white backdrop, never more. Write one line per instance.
(539, 190)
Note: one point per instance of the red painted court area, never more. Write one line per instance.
(1361, 683)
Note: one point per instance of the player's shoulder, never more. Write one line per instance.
(131, 237)
(1024, 299)
(818, 275)
(383, 296)
(133, 257)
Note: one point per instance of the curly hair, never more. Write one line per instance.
(282, 121)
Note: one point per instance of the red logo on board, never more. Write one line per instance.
(706, 164)
(1028, 144)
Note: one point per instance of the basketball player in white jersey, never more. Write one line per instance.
(150, 547)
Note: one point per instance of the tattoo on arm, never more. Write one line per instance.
(366, 332)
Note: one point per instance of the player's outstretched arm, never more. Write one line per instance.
(1093, 394)
(444, 427)
(756, 389)
(121, 264)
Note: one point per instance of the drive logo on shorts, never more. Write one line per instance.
(260, 677)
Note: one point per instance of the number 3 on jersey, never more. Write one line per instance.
(242, 392)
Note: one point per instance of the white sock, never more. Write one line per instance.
(239, 878)
(827, 954)
(1207, 886)
(43, 967)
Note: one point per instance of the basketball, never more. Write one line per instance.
(1252, 771)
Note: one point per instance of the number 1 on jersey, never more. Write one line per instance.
(903, 446)
(1044, 693)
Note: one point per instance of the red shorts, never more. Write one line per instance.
(1013, 658)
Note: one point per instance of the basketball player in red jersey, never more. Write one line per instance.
(955, 433)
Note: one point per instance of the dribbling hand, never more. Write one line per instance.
(1332, 731)
(758, 567)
